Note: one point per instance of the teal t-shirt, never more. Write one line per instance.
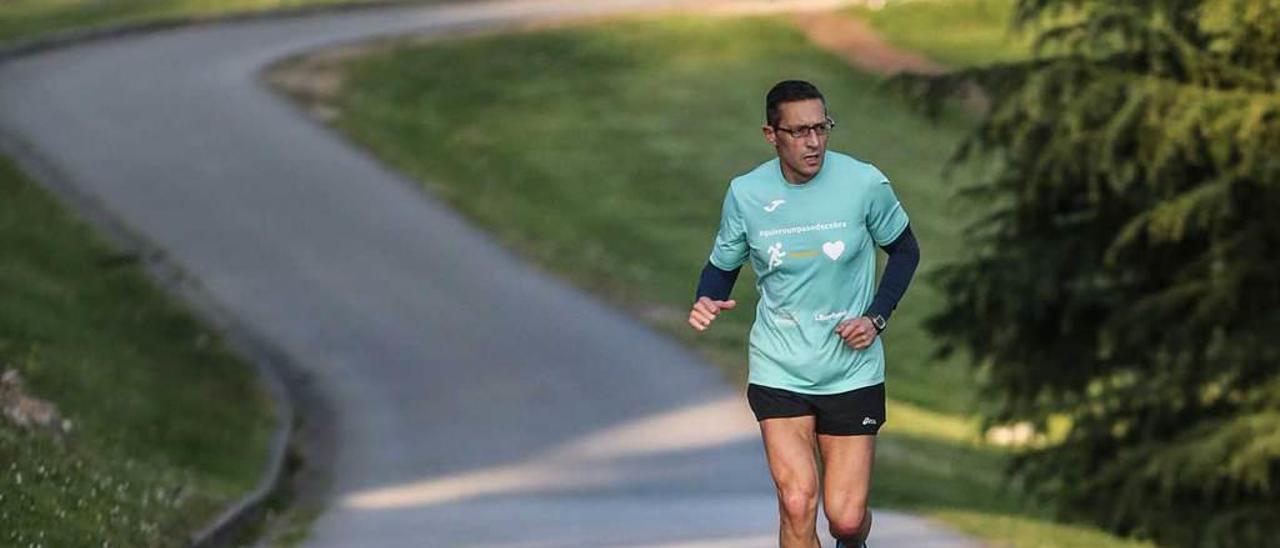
(813, 248)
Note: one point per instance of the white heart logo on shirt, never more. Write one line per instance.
(833, 249)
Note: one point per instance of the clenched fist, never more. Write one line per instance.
(857, 332)
(706, 310)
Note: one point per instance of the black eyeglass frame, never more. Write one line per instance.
(821, 130)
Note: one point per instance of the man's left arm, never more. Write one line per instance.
(904, 256)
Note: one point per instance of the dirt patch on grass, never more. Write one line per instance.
(27, 411)
(856, 42)
(315, 79)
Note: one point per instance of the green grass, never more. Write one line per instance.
(167, 427)
(603, 154)
(27, 18)
(953, 32)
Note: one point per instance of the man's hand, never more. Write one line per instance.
(706, 310)
(858, 332)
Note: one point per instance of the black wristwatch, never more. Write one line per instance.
(879, 322)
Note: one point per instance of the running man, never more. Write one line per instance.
(809, 221)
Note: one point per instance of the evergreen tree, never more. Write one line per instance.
(1127, 277)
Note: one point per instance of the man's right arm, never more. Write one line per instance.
(715, 284)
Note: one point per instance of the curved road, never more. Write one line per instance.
(479, 402)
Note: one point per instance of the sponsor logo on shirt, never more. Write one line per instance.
(821, 317)
(868, 421)
(801, 229)
(774, 205)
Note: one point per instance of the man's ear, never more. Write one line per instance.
(769, 134)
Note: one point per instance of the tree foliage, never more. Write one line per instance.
(1127, 277)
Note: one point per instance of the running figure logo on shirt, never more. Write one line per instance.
(774, 205)
(775, 255)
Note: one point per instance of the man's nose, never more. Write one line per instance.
(811, 139)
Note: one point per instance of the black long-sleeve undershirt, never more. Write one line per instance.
(715, 283)
(904, 256)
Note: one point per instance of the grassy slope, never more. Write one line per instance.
(28, 18)
(603, 154)
(168, 428)
(954, 32)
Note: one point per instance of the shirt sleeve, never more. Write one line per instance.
(885, 217)
(730, 249)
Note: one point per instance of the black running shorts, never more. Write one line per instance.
(856, 412)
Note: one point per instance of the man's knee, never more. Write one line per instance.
(798, 503)
(850, 524)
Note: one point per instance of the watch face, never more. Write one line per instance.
(878, 321)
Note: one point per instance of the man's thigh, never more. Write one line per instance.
(789, 444)
(846, 474)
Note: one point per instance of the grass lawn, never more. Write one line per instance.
(953, 32)
(28, 18)
(167, 427)
(603, 154)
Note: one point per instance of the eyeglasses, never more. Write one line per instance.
(801, 132)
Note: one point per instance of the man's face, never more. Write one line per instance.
(801, 157)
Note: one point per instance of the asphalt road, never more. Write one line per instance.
(478, 402)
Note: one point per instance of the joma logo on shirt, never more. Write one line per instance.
(774, 205)
(829, 316)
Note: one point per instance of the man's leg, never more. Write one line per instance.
(846, 463)
(789, 446)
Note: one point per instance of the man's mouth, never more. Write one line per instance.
(812, 159)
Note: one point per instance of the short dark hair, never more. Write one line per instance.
(787, 91)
